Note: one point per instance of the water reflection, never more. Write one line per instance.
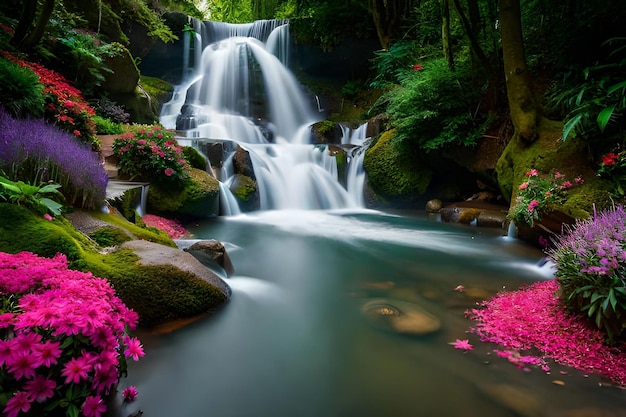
(294, 340)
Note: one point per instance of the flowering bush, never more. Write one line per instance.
(591, 270)
(65, 105)
(537, 194)
(150, 153)
(613, 168)
(533, 318)
(36, 152)
(64, 338)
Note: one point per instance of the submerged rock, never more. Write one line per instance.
(400, 317)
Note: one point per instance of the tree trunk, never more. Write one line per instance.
(27, 17)
(522, 104)
(40, 28)
(388, 18)
(445, 33)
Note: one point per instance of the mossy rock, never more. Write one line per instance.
(326, 131)
(137, 231)
(395, 176)
(124, 73)
(194, 158)
(23, 230)
(246, 191)
(545, 154)
(198, 196)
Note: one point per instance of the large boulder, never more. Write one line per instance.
(395, 176)
(124, 73)
(150, 253)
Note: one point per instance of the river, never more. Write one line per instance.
(296, 338)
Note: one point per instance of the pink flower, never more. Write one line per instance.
(133, 348)
(18, 402)
(22, 365)
(532, 173)
(532, 205)
(130, 393)
(566, 184)
(558, 175)
(76, 369)
(47, 353)
(462, 344)
(579, 180)
(47, 217)
(523, 186)
(93, 406)
(40, 389)
(169, 172)
(459, 288)
(547, 193)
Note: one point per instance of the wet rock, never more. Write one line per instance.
(400, 317)
(434, 205)
(521, 401)
(491, 218)
(212, 251)
(464, 215)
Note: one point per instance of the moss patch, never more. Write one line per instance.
(395, 175)
(151, 234)
(109, 236)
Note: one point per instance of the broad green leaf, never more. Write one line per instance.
(570, 125)
(604, 116)
(618, 86)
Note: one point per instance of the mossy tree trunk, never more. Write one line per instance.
(522, 104)
(445, 32)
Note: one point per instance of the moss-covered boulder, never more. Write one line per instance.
(198, 196)
(546, 154)
(396, 177)
(326, 131)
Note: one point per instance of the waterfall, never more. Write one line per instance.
(238, 88)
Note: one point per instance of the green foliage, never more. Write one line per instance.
(106, 126)
(394, 64)
(231, 11)
(36, 197)
(434, 107)
(595, 106)
(138, 231)
(286, 10)
(21, 94)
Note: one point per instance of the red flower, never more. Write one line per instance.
(417, 67)
(609, 159)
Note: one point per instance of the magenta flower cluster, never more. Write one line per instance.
(64, 337)
(533, 318)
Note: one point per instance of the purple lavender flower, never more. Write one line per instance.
(34, 151)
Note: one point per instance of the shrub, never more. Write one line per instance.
(435, 106)
(65, 105)
(111, 110)
(21, 94)
(64, 340)
(106, 126)
(150, 153)
(35, 152)
(591, 270)
(538, 195)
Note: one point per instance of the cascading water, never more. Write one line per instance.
(238, 88)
